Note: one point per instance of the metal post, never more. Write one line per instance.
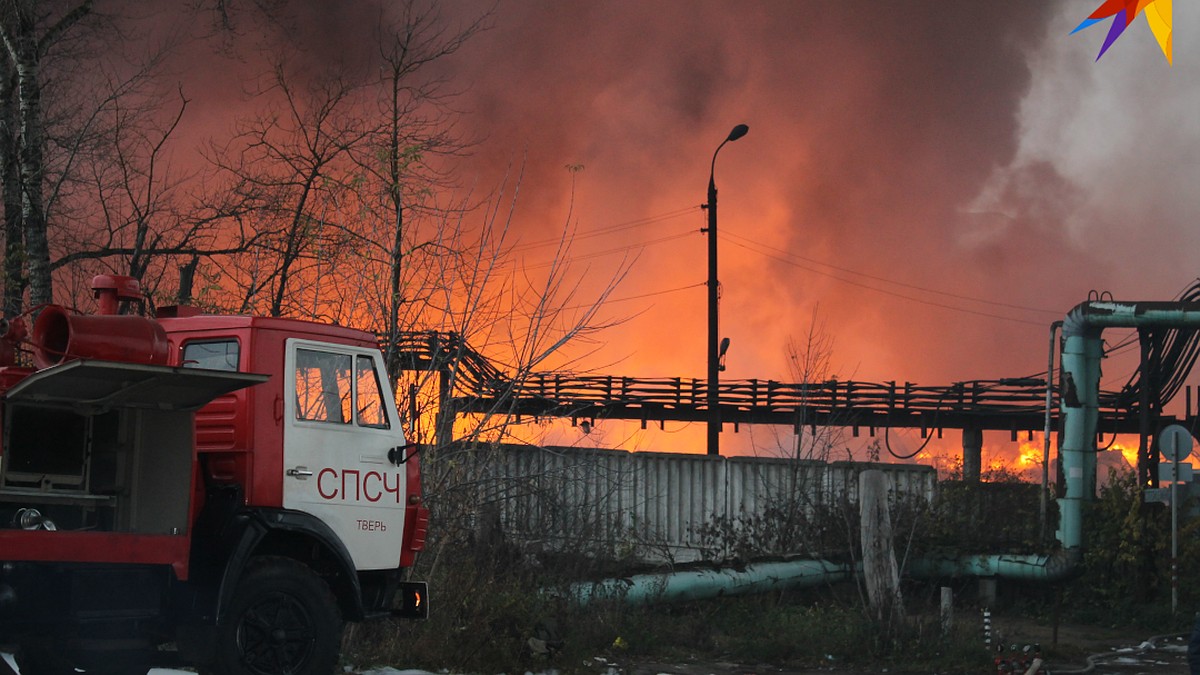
(1174, 524)
(713, 400)
(1046, 431)
(947, 610)
(1146, 465)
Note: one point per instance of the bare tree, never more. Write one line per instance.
(289, 168)
(810, 364)
(400, 178)
(482, 304)
(140, 215)
(88, 183)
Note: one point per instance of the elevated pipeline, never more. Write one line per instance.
(1082, 350)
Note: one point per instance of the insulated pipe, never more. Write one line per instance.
(1082, 351)
(689, 585)
(1053, 567)
(1046, 430)
(703, 584)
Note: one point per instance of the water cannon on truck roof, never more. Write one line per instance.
(234, 486)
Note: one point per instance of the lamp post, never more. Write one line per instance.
(714, 349)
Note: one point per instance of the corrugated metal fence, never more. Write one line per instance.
(656, 506)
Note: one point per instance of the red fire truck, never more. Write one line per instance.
(207, 490)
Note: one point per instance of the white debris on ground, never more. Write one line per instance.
(171, 671)
(386, 670)
(391, 671)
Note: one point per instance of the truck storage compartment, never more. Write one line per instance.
(104, 446)
(118, 471)
(46, 449)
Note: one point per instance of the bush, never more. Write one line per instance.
(1126, 576)
(484, 616)
(494, 609)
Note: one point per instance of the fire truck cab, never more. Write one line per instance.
(206, 490)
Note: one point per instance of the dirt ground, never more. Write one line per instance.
(1080, 649)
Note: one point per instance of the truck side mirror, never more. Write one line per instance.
(400, 455)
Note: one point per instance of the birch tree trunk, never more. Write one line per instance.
(33, 215)
(25, 43)
(10, 166)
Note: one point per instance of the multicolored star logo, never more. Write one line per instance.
(1158, 15)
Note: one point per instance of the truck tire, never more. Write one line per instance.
(282, 619)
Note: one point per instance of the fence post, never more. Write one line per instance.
(947, 606)
(880, 572)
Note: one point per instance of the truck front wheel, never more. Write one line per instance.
(282, 619)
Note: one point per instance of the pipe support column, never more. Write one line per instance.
(1080, 406)
(972, 457)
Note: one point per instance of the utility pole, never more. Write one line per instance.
(714, 347)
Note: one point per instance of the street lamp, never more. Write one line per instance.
(714, 349)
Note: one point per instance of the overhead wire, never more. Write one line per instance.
(602, 231)
(1170, 355)
(903, 296)
(786, 257)
(641, 296)
(608, 229)
(789, 258)
(753, 245)
(620, 249)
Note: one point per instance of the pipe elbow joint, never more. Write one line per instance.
(1077, 323)
(1064, 564)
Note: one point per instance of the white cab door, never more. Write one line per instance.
(342, 456)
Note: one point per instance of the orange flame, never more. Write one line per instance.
(1129, 452)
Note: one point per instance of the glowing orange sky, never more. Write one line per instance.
(937, 181)
(893, 172)
(872, 134)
